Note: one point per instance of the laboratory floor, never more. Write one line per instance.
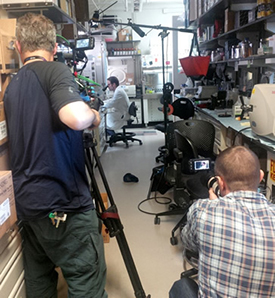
(158, 263)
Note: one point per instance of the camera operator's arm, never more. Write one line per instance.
(78, 115)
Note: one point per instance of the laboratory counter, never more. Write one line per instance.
(229, 132)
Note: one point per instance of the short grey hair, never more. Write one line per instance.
(35, 32)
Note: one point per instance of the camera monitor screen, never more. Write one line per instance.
(201, 164)
(84, 43)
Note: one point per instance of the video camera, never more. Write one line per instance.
(208, 179)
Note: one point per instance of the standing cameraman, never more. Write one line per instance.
(234, 234)
(45, 116)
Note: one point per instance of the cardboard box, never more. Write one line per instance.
(4, 158)
(229, 20)
(64, 5)
(10, 58)
(122, 34)
(193, 10)
(3, 125)
(8, 54)
(4, 82)
(8, 216)
(105, 234)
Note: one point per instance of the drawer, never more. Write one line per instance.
(9, 251)
(12, 275)
(19, 289)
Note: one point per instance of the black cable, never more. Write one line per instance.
(169, 200)
(233, 143)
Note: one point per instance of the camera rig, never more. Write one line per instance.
(110, 216)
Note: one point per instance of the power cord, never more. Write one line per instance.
(169, 200)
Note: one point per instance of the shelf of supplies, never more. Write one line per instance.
(256, 60)
(124, 41)
(124, 56)
(48, 9)
(252, 26)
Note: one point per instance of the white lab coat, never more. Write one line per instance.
(117, 109)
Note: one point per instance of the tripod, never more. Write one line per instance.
(110, 216)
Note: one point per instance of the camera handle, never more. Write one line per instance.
(110, 216)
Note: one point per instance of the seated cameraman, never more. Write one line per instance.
(234, 234)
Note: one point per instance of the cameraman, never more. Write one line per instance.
(45, 116)
(234, 234)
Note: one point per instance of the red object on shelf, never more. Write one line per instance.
(195, 65)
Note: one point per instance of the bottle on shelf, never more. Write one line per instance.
(261, 7)
(246, 48)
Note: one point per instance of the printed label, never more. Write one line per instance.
(5, 211)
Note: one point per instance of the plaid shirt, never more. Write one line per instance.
(235, 238)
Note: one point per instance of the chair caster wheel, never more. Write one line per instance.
(157, 221)
(173, 241)
(172, 206)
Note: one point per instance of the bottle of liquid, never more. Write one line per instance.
(245, 48)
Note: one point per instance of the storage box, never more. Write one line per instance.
(241, 18)
(3, 125)
(9, 58)
(229, 20)
(8, 216)
(105, 234)
(193, 10)
(4, 82)
(4, 158)
(122, 34)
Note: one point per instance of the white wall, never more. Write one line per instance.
(151, 42)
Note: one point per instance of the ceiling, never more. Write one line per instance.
(131, 6)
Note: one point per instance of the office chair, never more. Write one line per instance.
(163, 177)
(183, 108)
(190, 258)
(195, 140)
(126, 136)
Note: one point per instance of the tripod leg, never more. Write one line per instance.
(113, 223)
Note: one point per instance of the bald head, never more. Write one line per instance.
(239, 167)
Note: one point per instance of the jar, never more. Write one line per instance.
(237, 52)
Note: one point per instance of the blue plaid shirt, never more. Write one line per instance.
(235, 238)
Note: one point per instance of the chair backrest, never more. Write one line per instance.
(200, 132)
(202, 135)
(184, 108)
(186, 149)
(133, 109)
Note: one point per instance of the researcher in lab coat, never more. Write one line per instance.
(117, 107)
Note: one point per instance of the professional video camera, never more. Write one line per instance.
(208, 178)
